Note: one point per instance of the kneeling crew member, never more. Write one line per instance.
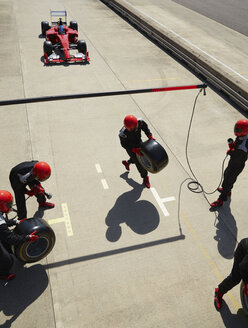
(238, 150)
(130, 138)
(8, 237)
(239, 271)
(29, 174)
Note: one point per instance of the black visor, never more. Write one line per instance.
(9, 204)
(237, 130)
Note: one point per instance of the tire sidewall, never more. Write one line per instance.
(47, 47)
(155, 154)
(82, 47)
(73, 25)
(44, 27)
(152, 168)
(44, 231)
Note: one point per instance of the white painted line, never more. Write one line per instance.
(161, 201)
(53, 221)
(98, 168)
(187, 41)
(66, 219)
(167, 199)
(104, 183)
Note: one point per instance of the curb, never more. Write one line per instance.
(233, 87)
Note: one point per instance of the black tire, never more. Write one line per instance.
(48, 47)
(44, 27)
(73, 25)
(154, 157)
(243, 298)
(82, 47)
(34, 251)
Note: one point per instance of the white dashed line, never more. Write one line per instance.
(98, 168)
(103, 181)
(104, 184)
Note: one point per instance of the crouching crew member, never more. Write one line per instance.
(130, 138)
(239, 271)
(8, 237)
(238, 155)
(29, 174)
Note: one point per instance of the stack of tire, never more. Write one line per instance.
(154, 157)
(34, 251)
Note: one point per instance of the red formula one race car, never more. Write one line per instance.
(62, 44)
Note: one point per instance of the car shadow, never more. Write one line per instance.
(226, 230)
(230, 320)
(18, 294)
(140, 216)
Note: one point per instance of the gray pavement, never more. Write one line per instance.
(218, 45)
(130, 262)
(227, 12)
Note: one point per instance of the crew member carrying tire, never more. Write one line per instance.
(29, 174)
(239, 271)
(130, 138)
(8, 237)
(238, 151)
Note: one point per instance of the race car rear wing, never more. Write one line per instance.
(56, 14)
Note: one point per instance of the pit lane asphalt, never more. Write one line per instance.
(126, 265)
(227, 12)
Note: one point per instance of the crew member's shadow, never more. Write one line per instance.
(232, 320)
(226, 231)
(141, 216)
(19, 293)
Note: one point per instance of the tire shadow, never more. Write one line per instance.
(140, 215)
(18, 294)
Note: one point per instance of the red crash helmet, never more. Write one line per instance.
(6, 201)
(130, 122)
(241, 128)
(41, 171)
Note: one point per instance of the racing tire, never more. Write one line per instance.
(73, 25)
(154, 157)
(44, 27)
(48, 47)
(82, 47)
(30, 252)
(243, 298)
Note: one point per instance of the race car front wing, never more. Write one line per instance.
(55, 58)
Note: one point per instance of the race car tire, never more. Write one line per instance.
(34, 251)
(82, 47)
(154, 157)
(73, 25)
(48, 47)
(243, 298)
(44, 27)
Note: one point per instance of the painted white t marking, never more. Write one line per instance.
(161, 201)
(66, 219)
